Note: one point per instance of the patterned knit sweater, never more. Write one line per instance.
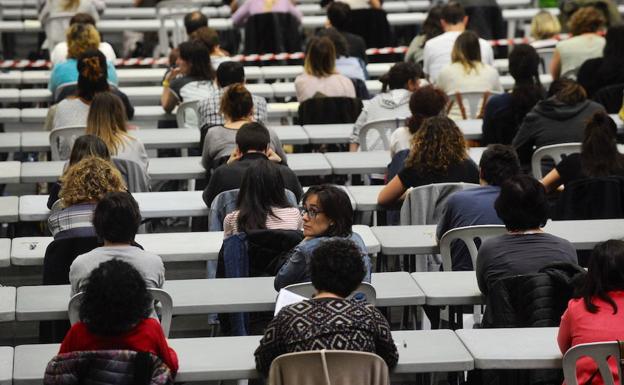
(326, 323)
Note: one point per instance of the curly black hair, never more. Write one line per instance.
(115, 299)
(336, 267)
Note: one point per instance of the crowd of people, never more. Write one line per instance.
(249, 182)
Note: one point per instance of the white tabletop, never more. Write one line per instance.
(358, 162)
(8, 209)
(309, 164)
(328, 133)
(397, 240)
(231, 358)
(7, 308)
(10, 142)
(9, 172)
(365, 197)
(6, 365)
(203, 296)
(5, 250)
(449, 287)
(511, 348)
(291, 134)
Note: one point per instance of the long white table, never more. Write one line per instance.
(6, 365)
(9, 172)
(7, 306)
(9, 209)
(231, 358)
(203, 296)
(511, 348)
(171, 247)
(5, 252)
(443, 288)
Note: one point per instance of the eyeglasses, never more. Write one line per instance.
(312, 212)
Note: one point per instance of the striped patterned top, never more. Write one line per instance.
(287, 218)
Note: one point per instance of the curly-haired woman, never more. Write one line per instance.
(115, 314)
(83, 185)
(437, 155)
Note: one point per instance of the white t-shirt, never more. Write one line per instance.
(400, 140)
(59, 53)
(437, 53)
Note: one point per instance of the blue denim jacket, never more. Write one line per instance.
(296, 270)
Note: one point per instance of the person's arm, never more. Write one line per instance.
(68, 344)
(165, 352)
(293, 10)
(277, 147)
(357, 127)
(271, 345)
(111, 73)
(206, 156)
(300, 88)
(384, 344)
(228, 224)
(391, 192)
(480, 269)
(564, 337)
(552, 180)
(555, 65)
(242, 14)
(168, 99)
(444, 224)
(524, 139)
(292, 271)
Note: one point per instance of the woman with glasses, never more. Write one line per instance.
(327, 214)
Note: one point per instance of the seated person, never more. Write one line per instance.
(430, 28)
(82, 187)
(349, 66)
(262, 202)
(228, 73)
(526, 248)
(544, 27)
(84, 146)
(220, 142)
(59, 53)
(338, 17)
(92, 79)
(599, 155)
(438, 155)
(210, 38)
(595, 315)
(49, 8)
(398, 84)
(559, 119)
(336, 270)
(115, 284)
(254, 7)
(475, 206)
(320, 77)
(252, 144)
(327, 214)
(80, 39)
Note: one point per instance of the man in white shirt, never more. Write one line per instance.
(437, 53)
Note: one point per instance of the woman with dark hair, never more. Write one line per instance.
(254, 7)
(237, 109)
(561, 118)
(607, 70)
(115, 315)
(523, 207)
(349, 66)
(424, 103)
(393, 102)
(596, 314)
(599, 155)
(336, 270)
(320, 75)
(327, 213)
(92, 79)
(430, 29)
(437, 155)
(504, 113)
(262, 202)
(467, 73)
(585, 43)
(192, 78)
(84, 146)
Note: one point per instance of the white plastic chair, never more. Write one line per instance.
(468, 235)
(556, 152)
(187, 115)
(471, 104)
(55, 26)
(62, 140)
(545, 55)
(375, 135)
(599, 352)
(173, 10)
(365, 289)
(166, 308)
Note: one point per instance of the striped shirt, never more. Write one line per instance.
(287, 218)
(72, 221)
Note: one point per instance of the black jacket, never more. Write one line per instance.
(230, 176)
(328, 110)
(272, 32)
(592, 198)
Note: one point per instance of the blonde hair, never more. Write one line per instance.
(320, 59)
(107, 120)
(544, 26)
(89, 180)
(467, 51)
(81, 38)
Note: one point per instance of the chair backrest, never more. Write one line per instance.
(372, 25)
(556, 152)
(329, 367)
(272, 32)
(329, 110)
(55, 26)
(468, 235)
(64, 90)
(545, 55)
(172, 11)
(62, 140)
(165, 300)
(364, 292)
(471, 104)
(187, 115)
(375, 135)
(597, 351)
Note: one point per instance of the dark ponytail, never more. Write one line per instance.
(92, 74)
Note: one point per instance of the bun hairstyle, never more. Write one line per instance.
(236, 102)
(424, 103)
(92, 74)
(399, 75)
